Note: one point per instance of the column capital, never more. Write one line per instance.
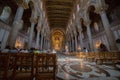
(20, 24)
(22, 3)
(101, 6)
(100, 9)
(79, 27)
(38, 28)
(74, 33)
(33, 20)
(87, 22)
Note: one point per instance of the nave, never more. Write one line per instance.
(73, 68)
(56, 66)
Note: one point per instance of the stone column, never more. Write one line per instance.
(41, 42)
(89, 35)
(16, 26)
(70, 45)
(109, 32)
(44, 43)
(75, 42)
(48, 44)
(80, 36)
(38, 37)
(17, 23)
(100, 9)
(31, 35)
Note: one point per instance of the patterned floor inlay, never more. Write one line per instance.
(71, 68)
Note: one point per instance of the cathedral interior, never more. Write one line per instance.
(76, 30)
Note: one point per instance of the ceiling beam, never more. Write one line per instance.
(59, 3)
(61, 0)
(58, 9)
(60, 13)
(57, 6)
(58, 16)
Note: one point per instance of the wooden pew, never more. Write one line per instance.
(45, 67)
(5, 70)
(23, 68)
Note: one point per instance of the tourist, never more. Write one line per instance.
(85, 49)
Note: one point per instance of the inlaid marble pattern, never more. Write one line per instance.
(72, 68)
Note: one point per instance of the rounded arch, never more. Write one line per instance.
(5, 13)
(83, 26)
(61, 29)
(94, 17)
(92, 3)
(31, 4)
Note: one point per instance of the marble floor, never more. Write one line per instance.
(73, 68)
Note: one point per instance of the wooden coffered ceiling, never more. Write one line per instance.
(58, 12)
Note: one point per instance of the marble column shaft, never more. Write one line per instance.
(31, 35)
(90, 37)
(80, 37)
(38, 38)
(16, 26)
(75, 43)
(109, 32)
(69, 45)
(41, 42)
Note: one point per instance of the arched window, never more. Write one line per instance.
(78, 8)
(96, 27)
(73, 16)
(5, 13)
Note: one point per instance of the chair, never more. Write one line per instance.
(100, 57)
(45, 67)
(90, 56)
(108, 56)
(23, 68)
(4, 65)
(115, 57)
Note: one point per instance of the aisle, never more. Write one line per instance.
(72, 68)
